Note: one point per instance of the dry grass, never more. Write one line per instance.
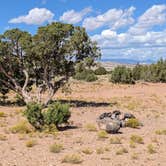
(31, 143)
(115, 140)
(161, 132)
(121, 151)
(2, 114)
(91, 127)
(133, 123)
(56, 148)
(102, 134)
(72, 159)
(3, 137)
(87, 151)
(151, 149)
(137, 139)
(22, 127)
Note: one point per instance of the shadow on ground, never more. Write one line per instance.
(78, 103)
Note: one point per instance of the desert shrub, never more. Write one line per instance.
(48, 119)
(100, 150)
(137, 139)
(72, 159)
(3, 137)
(2, 114)
(57, 114)
(87, 151)
(86, 75)
(22, 127)
(151, 149)
(121, 151)
(34, 115)
(30, 143)
(100, 71)
(115, 140)
(161, 132)
(122, 74)
(132, 144)
(91, 127)
(133, 123)
(91, 77)
(56, 148)
(102, 134)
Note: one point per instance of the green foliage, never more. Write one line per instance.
(151, 73)
(55, 50)
(86, 75)
(56, 114)
(48, 119)
(122, 74)
(34, 115)
(100, 71)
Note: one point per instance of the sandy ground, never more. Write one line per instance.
(145, 100)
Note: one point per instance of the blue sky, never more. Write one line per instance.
(130, 29)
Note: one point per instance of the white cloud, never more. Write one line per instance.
(156, 15)
(36, 16)
(114, 18)
(74, 17)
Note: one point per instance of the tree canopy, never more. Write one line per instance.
(45, 60)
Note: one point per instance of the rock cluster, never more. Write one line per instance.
(111, 121)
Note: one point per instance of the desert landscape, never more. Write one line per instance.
(83, 143)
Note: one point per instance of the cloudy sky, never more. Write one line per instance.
(124, 29)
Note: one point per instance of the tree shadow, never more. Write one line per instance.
(64, 128)
(81, 103)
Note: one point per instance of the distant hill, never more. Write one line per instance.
(111, 65)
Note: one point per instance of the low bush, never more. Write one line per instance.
(57, 114)
(121, 151)
(122, 74)
(86, 75)
(91, 127)
(49, 119)
(34, 115)
(100, 71)
(87, 151)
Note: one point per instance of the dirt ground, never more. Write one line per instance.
(146, 101)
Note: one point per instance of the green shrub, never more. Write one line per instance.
(161, 132)
(34, 115)
(91, 77)
(100, 71)
(86, 75)
(122, 74)
(57, 114)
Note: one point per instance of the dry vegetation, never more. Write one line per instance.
(83, 143)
